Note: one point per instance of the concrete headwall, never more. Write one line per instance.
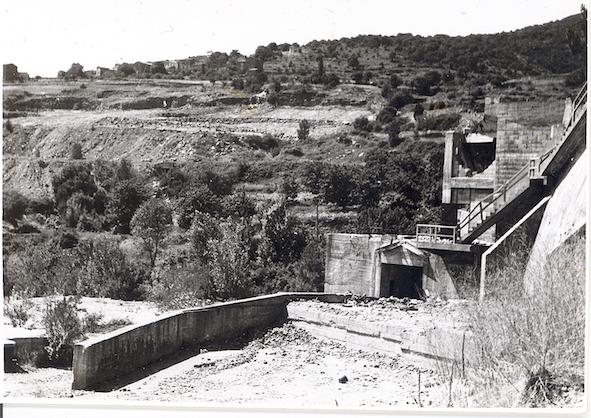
(121, 352)
(350, 262)
(353, 265)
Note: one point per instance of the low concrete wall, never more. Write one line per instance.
(445, 344)
(121, 352)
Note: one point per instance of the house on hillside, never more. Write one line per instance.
(142, 69)
(102, 72)
(10, 73)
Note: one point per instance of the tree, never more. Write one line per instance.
(76, 151)
(151, 223)
(340, 185)
(320, 66)
(126, 69)
(229, 262)
(73, 178)
(304, 130)
(75, 71)
(127, 196)
(284, 237)
(418, 110)
(14, 206)
(395, 81)
(353, 62)
(263, 53)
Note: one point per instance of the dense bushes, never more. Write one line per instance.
(62, 327)
(442, 122)
(391, 193)
(14, 206)
(61, 263)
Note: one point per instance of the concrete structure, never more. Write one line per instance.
(384, 265)
(142, 69)
(492, 179)
(9, 73)
(478, 163)
(455, 343)
(132, 348)
(102, 72)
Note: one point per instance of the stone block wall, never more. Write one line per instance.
(524, 130)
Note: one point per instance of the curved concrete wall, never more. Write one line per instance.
(121, 352)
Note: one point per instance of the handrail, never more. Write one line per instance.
(435, 233)
(478, 210)
(579, 98)
(493, 197)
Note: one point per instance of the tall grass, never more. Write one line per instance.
(531, 345)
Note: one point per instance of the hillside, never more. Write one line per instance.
(291, 143)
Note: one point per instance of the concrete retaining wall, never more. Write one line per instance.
(564, 216)
(121, 352)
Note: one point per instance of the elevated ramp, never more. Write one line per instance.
(534, 181)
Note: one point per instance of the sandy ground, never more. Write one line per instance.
(285, 368)
(108, 310)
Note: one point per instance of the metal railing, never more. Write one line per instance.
(579, 101)
(499, 197)
(436, 233)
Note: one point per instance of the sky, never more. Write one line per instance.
(43, 37)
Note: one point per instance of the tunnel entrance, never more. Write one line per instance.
(401, 281)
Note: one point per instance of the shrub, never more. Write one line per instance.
(304, 130)
(179, 287)
(266, 142)
(17, 307)
(14, 206)
(126, 197)
(106, 272)
(362, 124)
(62, 327)
(439, 123)
(295, 151)
(92, 322)
(8, 126)
(71, 179)
(230, 263)
(400, 100)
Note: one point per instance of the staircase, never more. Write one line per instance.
(529, 185)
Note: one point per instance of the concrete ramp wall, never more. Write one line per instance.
(565, 215)
(121, 352)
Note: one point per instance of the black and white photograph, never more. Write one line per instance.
(306, 207)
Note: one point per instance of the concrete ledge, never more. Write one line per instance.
(121, 352)
(449, 345)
